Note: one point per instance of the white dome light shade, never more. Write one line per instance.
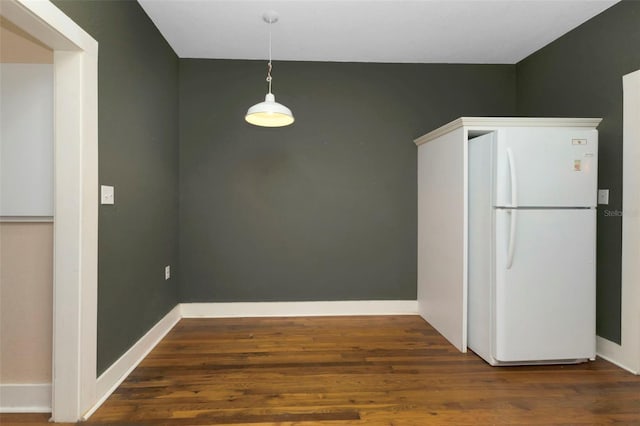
(269, 113)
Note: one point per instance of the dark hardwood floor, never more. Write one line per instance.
(350, 371)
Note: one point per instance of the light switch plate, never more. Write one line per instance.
(603, 196)
(167, 272)
(106, 194)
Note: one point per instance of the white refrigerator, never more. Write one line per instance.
(532, 235)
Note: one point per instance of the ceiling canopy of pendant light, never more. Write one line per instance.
(269, 113)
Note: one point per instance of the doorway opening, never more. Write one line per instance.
(75, 63)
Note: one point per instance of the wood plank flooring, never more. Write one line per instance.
(377, 370)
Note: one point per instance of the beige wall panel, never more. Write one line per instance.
(26, 293)
(18, 47)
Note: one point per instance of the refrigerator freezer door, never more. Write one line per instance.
(545, 300)
(543, 167)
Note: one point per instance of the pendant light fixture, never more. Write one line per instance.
(269, 113)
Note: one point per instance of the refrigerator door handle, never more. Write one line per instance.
(512, 237)
(514, 181)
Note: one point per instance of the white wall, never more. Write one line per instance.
(26, 139)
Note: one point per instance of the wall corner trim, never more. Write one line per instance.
(119, 370)
(613, 353)
(629, 353)
(297, 309)
(25, 398)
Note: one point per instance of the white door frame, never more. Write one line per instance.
(627, 355)
(75, 201)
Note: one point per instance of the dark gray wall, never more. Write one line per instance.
(138, 149)
(324, 209)
(580, 75)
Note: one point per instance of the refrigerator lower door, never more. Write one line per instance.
(544, 293)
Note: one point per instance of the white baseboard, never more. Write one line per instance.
(25, 398)
(299, 309)
(119, 370)
(613, 353)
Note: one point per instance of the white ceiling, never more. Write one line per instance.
(424, 31)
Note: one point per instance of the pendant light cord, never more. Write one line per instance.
(269, 66)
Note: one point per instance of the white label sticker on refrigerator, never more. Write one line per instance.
(577, 165)
(578, 141)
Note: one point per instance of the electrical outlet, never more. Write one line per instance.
(107, 194)
(603, 196)
(167, 272)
